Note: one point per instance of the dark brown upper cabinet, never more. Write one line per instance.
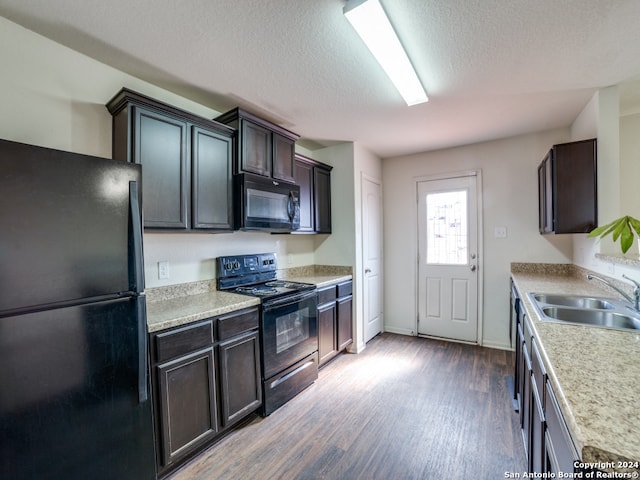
(264, 148)
(567, 188)
(187, 163)
(314, 179)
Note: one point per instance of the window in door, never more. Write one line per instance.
(447, 229)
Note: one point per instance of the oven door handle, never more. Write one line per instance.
(288, 300)
(286, 377)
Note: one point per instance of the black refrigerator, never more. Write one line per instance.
(74, 384)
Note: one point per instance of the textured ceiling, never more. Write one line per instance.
(492, 68)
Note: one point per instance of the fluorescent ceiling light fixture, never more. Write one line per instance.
(373, 26)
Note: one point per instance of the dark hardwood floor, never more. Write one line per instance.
(406, 408)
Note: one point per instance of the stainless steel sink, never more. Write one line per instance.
(598, 318)
(586, 310)
(573, 301)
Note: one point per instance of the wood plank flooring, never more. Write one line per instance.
(406, 408)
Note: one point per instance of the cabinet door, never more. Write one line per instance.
(160, 145)
(537, 451)
(303, 173)
(520, 374)
(345, 335)
(256, 149)
(526, 407)
(574, 189)
(561, 452)
(187, 400)
(322, 197)
(283, 153)
(212, 201)
(327, 339)
(240, 387)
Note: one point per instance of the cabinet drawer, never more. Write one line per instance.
(345, 289)
(183, 340)
(236, 323)
(326, 294)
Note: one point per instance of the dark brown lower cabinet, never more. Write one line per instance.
(187, 401)
(327, 338)
(560, 453)
(334, 320)
(205, 379)
(345, 331)
(240, 389)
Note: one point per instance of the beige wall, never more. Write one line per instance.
(510, 196)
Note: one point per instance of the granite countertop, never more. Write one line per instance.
(180, 304)
(595, 372)
(172, 312)
(319, 275)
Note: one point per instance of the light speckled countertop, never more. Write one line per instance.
(319, 275)
(180, 304)
(595, 372)
(172, 312)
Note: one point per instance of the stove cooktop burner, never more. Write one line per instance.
(258, 290)
(255, 275)
(272, 288)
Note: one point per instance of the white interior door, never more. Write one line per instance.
(372, 257)
(448, 258)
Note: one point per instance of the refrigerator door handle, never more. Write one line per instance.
(143, 393)
(135, 248)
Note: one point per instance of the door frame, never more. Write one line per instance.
(480, 255)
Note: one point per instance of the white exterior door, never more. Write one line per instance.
(448, 258)
(372, 256)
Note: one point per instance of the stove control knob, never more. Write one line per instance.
(227, 266)
(236, 264)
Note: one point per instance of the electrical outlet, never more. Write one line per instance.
(500, 232)
(163, 270)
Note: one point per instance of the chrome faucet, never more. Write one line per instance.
(636, 290)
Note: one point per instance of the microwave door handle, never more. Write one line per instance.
(291, 209)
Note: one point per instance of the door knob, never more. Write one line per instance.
(473, 268)
(367, 270)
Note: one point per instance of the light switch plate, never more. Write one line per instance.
(500, 232)
(163, 270)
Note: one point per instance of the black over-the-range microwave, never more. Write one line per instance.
(266, 204)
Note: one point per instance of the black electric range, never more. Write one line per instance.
(288, 324)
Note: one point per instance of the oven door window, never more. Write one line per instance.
(262, 205)
(289, 333)
(291, 329)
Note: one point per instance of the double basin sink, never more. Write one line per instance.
(586, 310)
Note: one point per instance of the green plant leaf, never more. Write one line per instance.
(620, 226)
(626, 238)
(604, 230)
(635, 224)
